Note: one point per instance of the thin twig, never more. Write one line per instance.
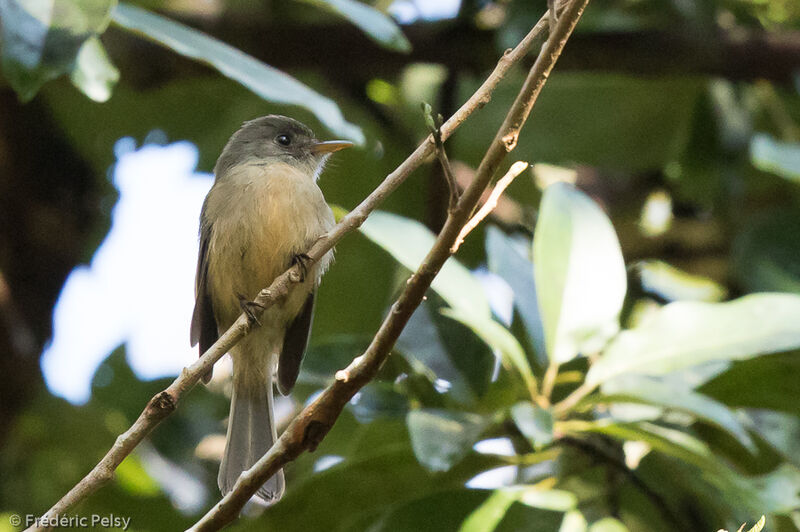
(163, 403)
(491, 202)
(549, 381)
(572, 400)
(308, 429)
(435, 127)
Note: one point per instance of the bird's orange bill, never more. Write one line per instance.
(330, 146)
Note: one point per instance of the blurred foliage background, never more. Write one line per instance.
(669, 135)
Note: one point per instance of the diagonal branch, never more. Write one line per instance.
(164, 403)
(308, 429)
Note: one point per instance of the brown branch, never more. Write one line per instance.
(163, 403)
(435, 127)
(308, 429)
(491, 202)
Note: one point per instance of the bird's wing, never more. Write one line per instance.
(204, 325)
(294, 346)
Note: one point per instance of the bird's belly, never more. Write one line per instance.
(272, 221)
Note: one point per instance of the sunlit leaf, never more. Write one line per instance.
(441, 438)
(781, 431)
(507, 261)
(132, 476)
(684, 334)
(675, 395)
(673, 284)
(574, 521)
(771, 155)
(41, 39)
(94, 74)
(580, 274)
(377, 25)
(501, 340)
(608, 524)
(409, 241)
(534, 422)
(488, 515)
(269, 83)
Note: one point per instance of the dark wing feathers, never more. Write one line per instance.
(204, 325)
(294, 346)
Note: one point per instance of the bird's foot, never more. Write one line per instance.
(302, 260)
(248, 307)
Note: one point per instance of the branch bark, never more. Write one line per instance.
(309, 428)
(164, 403)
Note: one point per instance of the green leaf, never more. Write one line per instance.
(608, 524)
(441, 438)
(781, 431)
(433, 344)
(94, 73)
(765, 252)
(580, 274)
(439, 511)
(673, 284)
(535, 423)
(379, 26)
(675, 395)
(132, 477)
(685, 334)
(574, 521)
(269, 83)
(501, 340)
(774, 156)
(488, 515)
(509, 262)
(41, 39)
(409, 241)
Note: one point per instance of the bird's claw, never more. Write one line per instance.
(247, 307)
(300, 260)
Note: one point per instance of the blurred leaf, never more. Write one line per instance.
(735, 388)
(132, 477)
(574, 521)
(459, 362)
(409, 241)
(672, 284)
(781, 431)
(779, 158)
(608, 524)
(506, 260)
(488, 515)
(438, 511)
(41, 39)
(534, 422)
(651, 120)
(580, 274)
(377, 25)
(500, 339)
(679, 396)
(94, 74)
(775, 492)
(684, 334)
(377, 400)
(269, 83)
(369, 483)
(441, 438)
(765, 252)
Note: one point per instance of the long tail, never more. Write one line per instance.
(251, 432)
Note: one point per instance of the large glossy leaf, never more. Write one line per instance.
(580, 274)
(269, 83)
(672, 284)
(675, 395)
(377, 25)
(499, 339)
(684, 334)
(441, 438)
(507, 260)
(409, 241)
(41, 39)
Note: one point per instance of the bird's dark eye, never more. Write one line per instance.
(283, 140)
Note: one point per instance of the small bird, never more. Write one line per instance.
(260, 216)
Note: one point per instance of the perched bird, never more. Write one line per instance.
(260, 216)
